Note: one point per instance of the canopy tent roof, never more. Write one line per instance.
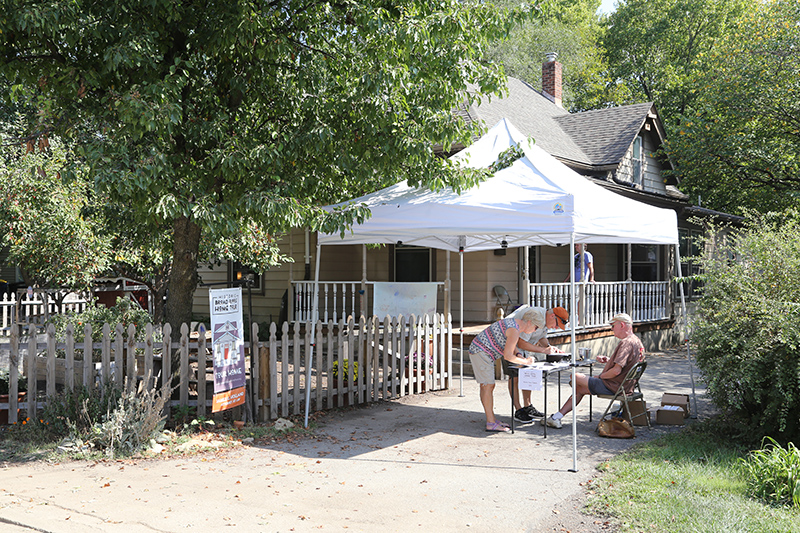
(536, 201)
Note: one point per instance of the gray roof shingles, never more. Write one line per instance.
(595, 138)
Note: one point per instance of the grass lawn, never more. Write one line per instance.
(687, 481)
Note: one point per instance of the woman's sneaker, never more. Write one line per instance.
(551, 422)
(534, 412)
(522, 416)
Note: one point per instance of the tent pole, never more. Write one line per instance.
(461, 328)
(686, 325)
(314, 314)
(574, 352)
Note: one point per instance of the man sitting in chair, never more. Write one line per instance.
(628, 352)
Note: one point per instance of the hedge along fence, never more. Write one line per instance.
(378, 360)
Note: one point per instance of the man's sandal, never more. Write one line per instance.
(498, 426)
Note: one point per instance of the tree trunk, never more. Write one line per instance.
(183, 276)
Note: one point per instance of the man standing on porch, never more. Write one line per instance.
(628, 352)
(497, 341)
(537, 342)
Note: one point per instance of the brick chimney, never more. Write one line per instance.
(551, 79)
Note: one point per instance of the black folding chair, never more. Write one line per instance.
(624, 397)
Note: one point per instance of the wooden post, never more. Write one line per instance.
(202, 359)
(264, 381)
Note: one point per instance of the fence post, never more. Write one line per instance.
(69, 366)
(202, 360)
(88, 361)
(13, 376)
(51, 361)
(273, 370)
(184, 366)
(130, 362)
(32, 382)
(166, 368)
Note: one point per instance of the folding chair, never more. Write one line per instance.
(634, 374)
(503, 298)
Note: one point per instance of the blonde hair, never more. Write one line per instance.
(535, 316)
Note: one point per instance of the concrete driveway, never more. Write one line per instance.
(420, 463)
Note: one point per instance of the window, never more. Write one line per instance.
(637, 162)
(644, 262)
(690, 250)
(237, 272)
(412, 263)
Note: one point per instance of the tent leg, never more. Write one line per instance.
(461, 328)
(574, 350)
(686, 325)
(314, 314)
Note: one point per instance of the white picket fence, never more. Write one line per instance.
(383, 353)
(38, 308)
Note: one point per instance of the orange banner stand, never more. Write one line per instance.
(226, 400)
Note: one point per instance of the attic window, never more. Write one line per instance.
(637, 162)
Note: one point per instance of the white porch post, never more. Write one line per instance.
(629, 287)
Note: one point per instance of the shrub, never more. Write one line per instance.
(747, 327)
(124, 312)
(773, 473)
(78, 410)
(22, 382)
(128, 428)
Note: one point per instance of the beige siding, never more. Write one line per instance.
(652, 179)
(555, 262)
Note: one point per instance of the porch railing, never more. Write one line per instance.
(337, 300)
(645, 301)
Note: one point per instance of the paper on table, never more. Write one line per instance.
(530, 379)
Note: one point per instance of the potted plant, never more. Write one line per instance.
(347, 375)
(22, 387)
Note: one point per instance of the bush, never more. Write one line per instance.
(773, 473)
(346, 374)
(747, 328)
(106, 419)
(128, 428)
(22, 382)
(78, 410)
(124, 312)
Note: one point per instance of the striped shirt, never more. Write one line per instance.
(492, 340)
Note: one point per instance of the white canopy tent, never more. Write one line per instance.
(535, 201)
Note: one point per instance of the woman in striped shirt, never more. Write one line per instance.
(500, 341)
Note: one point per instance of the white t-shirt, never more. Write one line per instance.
(537, 335)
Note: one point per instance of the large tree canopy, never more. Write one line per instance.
(572, 29)
(233, 121)
(738, 146)
(655, 47)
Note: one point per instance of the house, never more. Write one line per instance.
(617, 148)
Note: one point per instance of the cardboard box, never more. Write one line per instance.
(680, 400)
(637, 407)
(671, 415)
